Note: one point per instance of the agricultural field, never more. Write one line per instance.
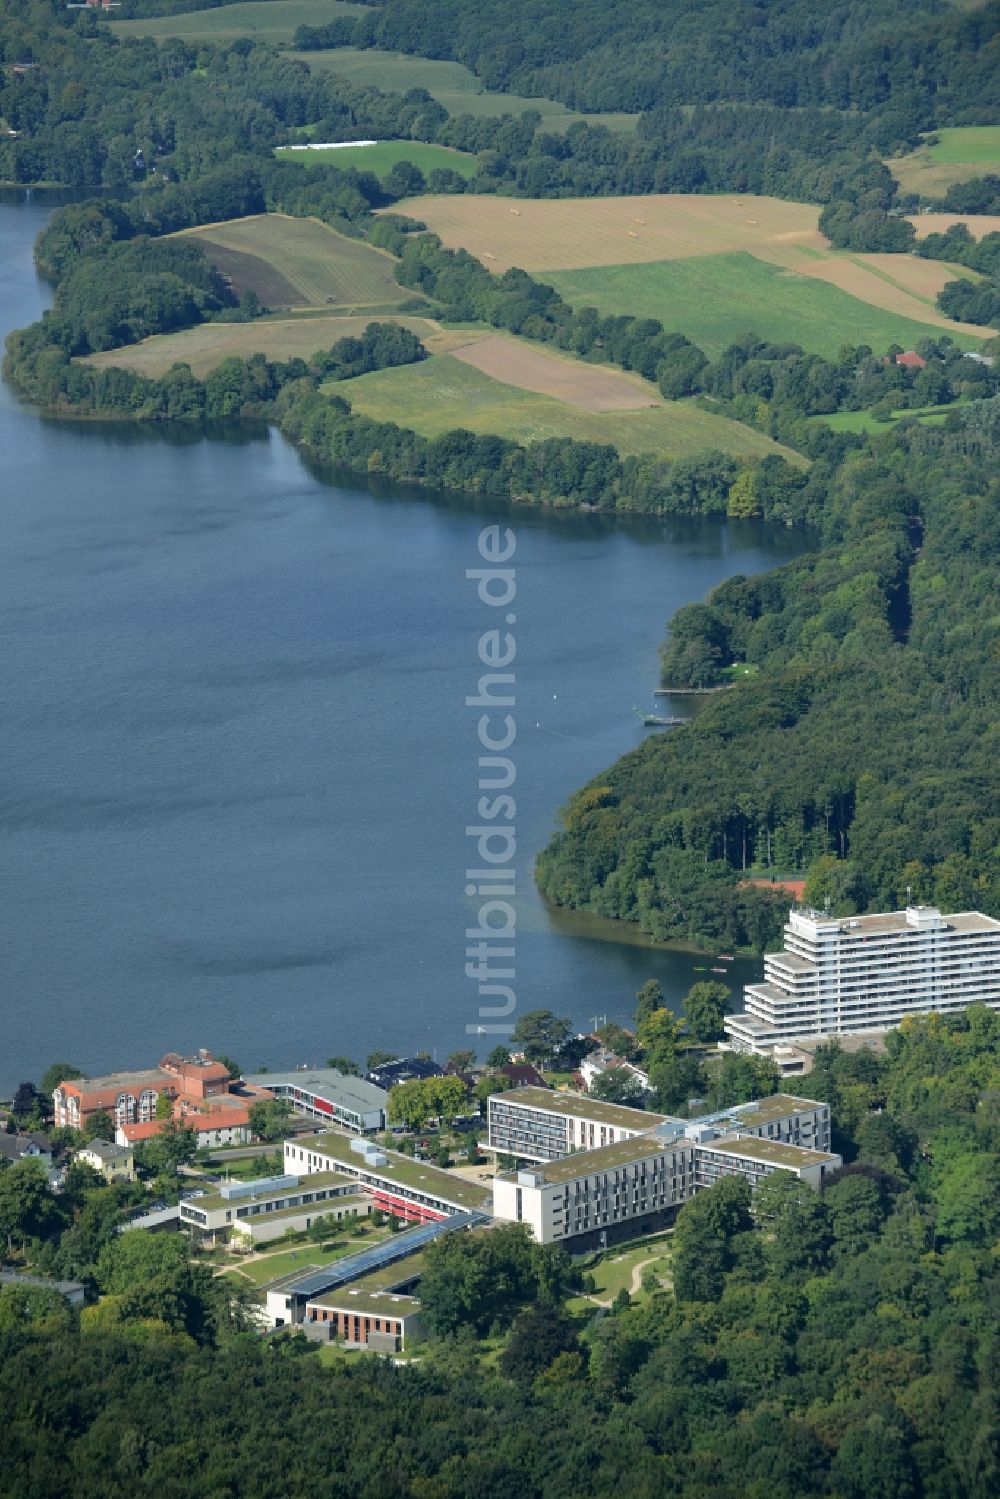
(452, 84)
(957, 154)
(204, 347)
(293, 262)
(447, 391)
(716, 299)
(978, 224)
(704, 265)
(381, 157)
(265, 20)
(552, 234)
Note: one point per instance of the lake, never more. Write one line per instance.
(238, 760)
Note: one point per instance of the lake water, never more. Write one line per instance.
(237, 760)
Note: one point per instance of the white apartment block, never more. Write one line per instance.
(538, 1124)
(867, 973)
(635, 1183)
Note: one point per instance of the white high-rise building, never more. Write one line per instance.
(867, 973)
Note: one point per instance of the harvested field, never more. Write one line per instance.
(207, 345)
(590, 387)
(452, 84)
(292, 262)
(445, 392)
(564, 233)
(576, 240)
(717, 299)
(977, 224)
(264, 20)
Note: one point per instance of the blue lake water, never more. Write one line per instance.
(237, 762)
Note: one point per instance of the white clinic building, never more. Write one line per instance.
(867, 973)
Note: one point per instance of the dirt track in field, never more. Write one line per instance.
(588, 387)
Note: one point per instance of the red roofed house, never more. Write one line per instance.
(222, 1126)
(909, 360)
(197, 1087)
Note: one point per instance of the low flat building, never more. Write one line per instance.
(114, 1162)
(412, 1190)
(540, 1124)
(264, 1228)
(797, 1058)
(264, 1196)
(356, 1317)
(866, 974)
(403, 1070)
(332, 1097)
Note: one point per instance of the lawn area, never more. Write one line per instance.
(383, 156)
(443, 393)
(294, 262)
(863, 421)
(715, 299)
(451, 83)
(620, 1268)
(287, 1262)
(264, 20)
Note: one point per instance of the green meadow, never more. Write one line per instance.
(968, 144)
(451, 83)
(443, 393)
(716, 299)
(383, 156)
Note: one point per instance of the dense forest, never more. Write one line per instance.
(842, 1344)
(747, 99)
(861, 752)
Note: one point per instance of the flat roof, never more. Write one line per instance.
(119, 1079)
(418, 1176)
(350, 1092)
(304, 1210)
(603, 1158)
(581, 1106)
(776, 1151)
(884, 923)
(312, 1183)
(776, 1106)
(368, 1303)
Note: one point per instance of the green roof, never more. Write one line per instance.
(368, 1304)
(604, 1158)
(582, 1106)
(778, 1106)
(318, 1209)
(402, 1171)
(314, 1183)
(774, 1152)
